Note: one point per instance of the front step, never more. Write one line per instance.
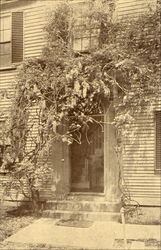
(88, 206)
(97, 210)
(81, 215)
(85, 196)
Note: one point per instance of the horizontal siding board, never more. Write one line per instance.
(29, 43)
(151, 200)
(39, 25)
(142, 181)
(141, 171)
(35, 40)
(140, 156)
(145, 177)
(34, 48)
(34, 13)
(133, 148)
(33, 34)
(31, 20)
(33, 55)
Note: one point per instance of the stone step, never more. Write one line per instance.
(81, 215)
(85, 196)
(88, 206)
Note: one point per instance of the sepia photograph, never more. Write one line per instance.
(80, 125)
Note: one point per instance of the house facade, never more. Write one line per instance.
(86, 171)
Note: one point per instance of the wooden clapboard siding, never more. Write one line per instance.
(133, 8)
(139, 165)
(140, 178)
(34, 20)
(7, 83)
(46, 187)
(139, 156)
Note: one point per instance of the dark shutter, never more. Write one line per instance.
(17, 37)
(158, 140)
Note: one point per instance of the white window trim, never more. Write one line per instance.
(10, 64)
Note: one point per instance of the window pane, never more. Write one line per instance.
(6, 22)
(77, 44)
(7, 35)
(1, 24)
(1, 37)
(94, 42)
(85, 43)
(1, 49)
(5, 48)
(5, 60)
(5, 29)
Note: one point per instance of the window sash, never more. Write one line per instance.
(84, 38)
(5, 41)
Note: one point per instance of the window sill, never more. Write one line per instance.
(3, 173)
(10, 67)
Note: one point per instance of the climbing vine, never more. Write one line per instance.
(66, 88)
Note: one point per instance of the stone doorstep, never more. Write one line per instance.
(83, 206)
(81, 215)
(85, 196)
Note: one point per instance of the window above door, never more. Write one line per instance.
(85, 32)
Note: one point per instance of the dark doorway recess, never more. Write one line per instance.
(87, 158)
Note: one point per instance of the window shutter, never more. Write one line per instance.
(158, 140)
(17, 37)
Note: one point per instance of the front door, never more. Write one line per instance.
(87, 159)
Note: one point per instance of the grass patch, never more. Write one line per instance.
(12, 220)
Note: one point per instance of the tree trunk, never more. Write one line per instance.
(35, 201)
